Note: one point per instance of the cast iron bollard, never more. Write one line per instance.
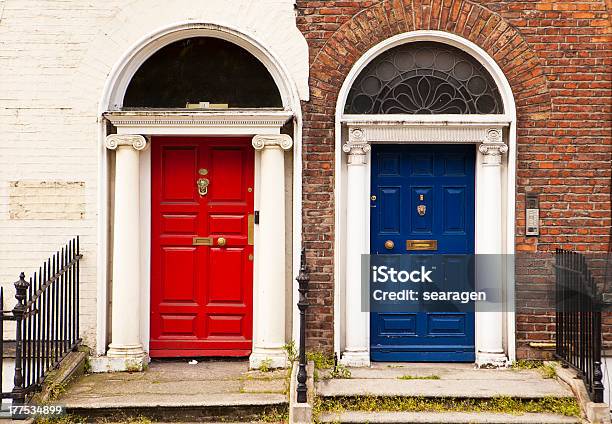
(302, 376)
(21, 287)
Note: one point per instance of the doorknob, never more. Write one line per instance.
(221, 241)
(203, 186)
(389, 244)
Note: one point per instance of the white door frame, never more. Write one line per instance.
(196, 124)
(427, 129)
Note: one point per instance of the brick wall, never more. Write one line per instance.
(557, 58)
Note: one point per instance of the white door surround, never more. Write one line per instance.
(292, 86)
(495, 192)
(132, 225)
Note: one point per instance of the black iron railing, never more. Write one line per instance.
(578, 320)
(302, 375)
(46, 319)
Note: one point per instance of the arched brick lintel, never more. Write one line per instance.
(463, 18)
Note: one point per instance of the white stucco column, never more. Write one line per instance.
(489, 273)
(356, 352)
(269, 299)
(126, 347)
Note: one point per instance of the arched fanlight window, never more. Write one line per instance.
(424, 78)
(202, 69)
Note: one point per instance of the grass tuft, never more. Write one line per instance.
(340, 371)
(291, 349)
(547, 370)
(527, 364)
(321, 360)
(275, 415)
(266, 365)
(564, 406)
(417, 377)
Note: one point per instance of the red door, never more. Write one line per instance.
(201, 287)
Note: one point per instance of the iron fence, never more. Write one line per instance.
(578, 320)
(46, 319)
(303, 279)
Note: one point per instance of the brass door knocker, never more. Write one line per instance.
(203, 186)
(421, 209)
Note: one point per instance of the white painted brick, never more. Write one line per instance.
(56, 56)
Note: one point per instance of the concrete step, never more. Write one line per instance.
(442, 380)
(184, 408)
(394, 387)
(444, 417)
(445, 388)
(181, 391)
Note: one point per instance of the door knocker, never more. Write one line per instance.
(421, 209)
(203, 186)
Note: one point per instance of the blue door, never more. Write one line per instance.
(423, 193)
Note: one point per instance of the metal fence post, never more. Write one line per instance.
(302, 376)
(21, 287)
(598, 388)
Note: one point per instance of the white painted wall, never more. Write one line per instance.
(8, 374)
(56, 58)
(606, 367)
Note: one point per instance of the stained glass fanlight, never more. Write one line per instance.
(424, 78)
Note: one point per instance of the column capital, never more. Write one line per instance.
(493, 147)
(356, 147)
(113, 141)
(282, 141)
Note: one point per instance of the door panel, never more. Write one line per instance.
(439, 178)
(201, 295)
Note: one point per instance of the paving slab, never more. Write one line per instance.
(177, 384)
(443, 380)
(445, 417)
(443, 371)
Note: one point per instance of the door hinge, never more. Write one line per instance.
(256, 218)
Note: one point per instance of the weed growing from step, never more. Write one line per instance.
(73, 419)
(327, 363)
(321, 360)
(419, 377)
(56, 391)
(527, 364)
(266, 365)
(564, 406)
(292, 353)
(274, 415)
(547, 370)
(340, 371)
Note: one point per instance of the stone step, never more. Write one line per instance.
(183, 408)
(445, 417)
(444, 388)
(181, 391)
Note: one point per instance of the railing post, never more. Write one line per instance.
(598, 388)
(21, 287)
(302, 376)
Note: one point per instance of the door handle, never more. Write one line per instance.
(389, 245)
(203, 186)
(221, 241)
